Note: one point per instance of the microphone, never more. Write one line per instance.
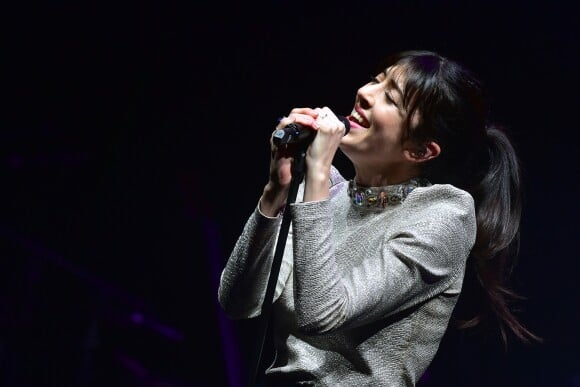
(297, 134)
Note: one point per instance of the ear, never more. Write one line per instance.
(422, 153)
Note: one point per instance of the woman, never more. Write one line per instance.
(373, 267)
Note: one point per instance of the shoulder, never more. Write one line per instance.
(442, 204)
(441, 195)
(444, 215)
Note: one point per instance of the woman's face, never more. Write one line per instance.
(375, 141)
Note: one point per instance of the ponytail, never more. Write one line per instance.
(498, 202)
(498, 198)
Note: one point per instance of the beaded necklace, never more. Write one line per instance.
(382, 197)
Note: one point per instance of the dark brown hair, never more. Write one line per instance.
(478, 157)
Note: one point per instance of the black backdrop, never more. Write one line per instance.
(134, 144)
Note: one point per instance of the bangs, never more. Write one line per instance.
(417, 74)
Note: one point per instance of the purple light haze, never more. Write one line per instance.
(229, 340)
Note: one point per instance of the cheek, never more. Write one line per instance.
(390, 129)
(387, 115)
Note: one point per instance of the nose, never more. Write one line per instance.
(365, 96)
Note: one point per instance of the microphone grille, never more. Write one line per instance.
(346, 123)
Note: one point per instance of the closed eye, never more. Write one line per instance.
(391, 99)
(374, 80)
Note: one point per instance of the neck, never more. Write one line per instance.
(380, 179)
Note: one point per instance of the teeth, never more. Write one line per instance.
(354, 114)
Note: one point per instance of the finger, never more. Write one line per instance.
(306, 111)
(298, 118)
(326, 116)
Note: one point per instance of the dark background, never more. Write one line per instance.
(134, 144)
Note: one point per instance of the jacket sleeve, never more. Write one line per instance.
(244, 279)
(245, 276)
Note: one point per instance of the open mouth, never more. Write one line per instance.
(358, 119)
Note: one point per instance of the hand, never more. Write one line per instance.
(275, 192)
(330, 131)
(320, 154)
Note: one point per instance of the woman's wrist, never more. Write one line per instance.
(317, 185)
(273, 200)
